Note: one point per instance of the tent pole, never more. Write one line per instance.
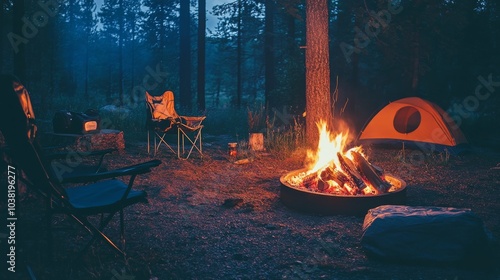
(404, 155)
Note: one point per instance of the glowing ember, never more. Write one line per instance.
(331, 169)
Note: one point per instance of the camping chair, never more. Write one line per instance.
(162, 119)
(105, 196)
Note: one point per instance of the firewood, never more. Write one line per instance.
(323, 185)
(370, 174)
(355, 182)
(340, 178)
(354, 171)
(310, 181)
(377, 169)
(327, 174)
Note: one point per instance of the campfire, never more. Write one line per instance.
(334, 170)
(339, 180)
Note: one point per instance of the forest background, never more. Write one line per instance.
(73, 56)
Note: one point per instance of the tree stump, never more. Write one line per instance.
(104, 139)
(256, 141)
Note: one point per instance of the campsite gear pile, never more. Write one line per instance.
(68, 122)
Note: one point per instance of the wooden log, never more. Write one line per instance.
(327, 174)
(340, 178)
(370, 174)
(354, 171)
(355, 182)
(323, 185)
(332, 174)
(310, 181)
(377, 169)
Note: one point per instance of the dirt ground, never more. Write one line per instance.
(212, 219)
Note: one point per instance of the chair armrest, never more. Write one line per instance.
(136, 169)
(62, 155)
(193, 118)
(191, 122)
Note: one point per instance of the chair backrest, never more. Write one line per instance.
(162, 106)
(17, 124)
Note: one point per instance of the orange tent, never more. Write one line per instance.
(413, 119)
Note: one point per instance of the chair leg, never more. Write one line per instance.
(97, 233)
(122, 230)
(50, 252)
(194, 143)
(155, 145)
(148, 141)
(179, 132)
(162, 140)
(201, 147)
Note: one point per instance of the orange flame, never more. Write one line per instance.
(328, 147)
(333, 169)
(325, 156)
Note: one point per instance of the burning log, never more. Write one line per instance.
(327, 174)
(323, 185)
(332, 174)
(340, 178)
(370, 174)
(310, 181)
(355, 180)
(377, 169)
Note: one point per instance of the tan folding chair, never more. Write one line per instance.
(161, 119)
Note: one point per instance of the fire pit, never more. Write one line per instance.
(327, 204)
(337, 180)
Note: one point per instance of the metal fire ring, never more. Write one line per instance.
(327, 204)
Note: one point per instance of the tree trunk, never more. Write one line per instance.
(133, 54)
(318, 103)
(416, 61)
(202, 26)
(70, 80)
(53, 62)
(87, 61)
(109, 92)
(19, 57)
(3, 23)
(185, 56)
(120, 52)
(268, 54)
(239, 58)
